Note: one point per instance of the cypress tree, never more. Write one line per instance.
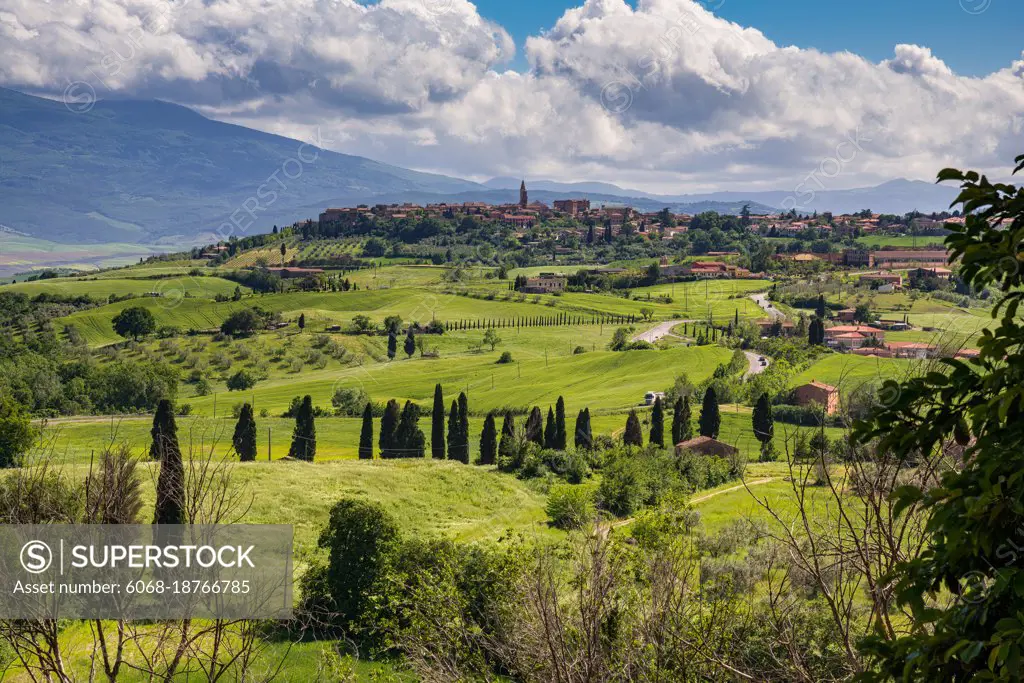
(437, 425)
(583, 439)
(819, 309)
(508, 435)
(550, 430)
(453, 430)
(392, 346)
(633, 435)
(170, 486)
(302, 321)
(366, 434)
(710, 420)
(409, 439)
(164, 432)
(488, 442)
(535, 427)
(387, 440)
(244, 438)
(682, 429)
(410, 343)
(463, 453)
(561, 438)
(764, 425)
(304, 435)
(658, 424)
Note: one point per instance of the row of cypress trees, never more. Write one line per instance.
(710, 422)
(453, 443)
(540, 321)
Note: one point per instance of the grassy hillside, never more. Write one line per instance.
(169, 288)
(848, 372)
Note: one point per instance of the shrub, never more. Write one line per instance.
(571, 506)
(362, 540)
(240, 381)
(506, 357)
(349, 402)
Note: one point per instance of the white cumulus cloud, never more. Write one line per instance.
(666, 95)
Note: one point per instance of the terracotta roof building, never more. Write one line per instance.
(817, 393)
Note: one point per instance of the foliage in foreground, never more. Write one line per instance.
(975, 515)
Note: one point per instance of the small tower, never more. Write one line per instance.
(523, 198)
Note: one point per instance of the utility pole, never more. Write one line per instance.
(269, 458)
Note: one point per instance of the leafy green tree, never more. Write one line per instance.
(388, 439)
(657, 424)
(170, 485)
(633, 435)
(410, 343)
(491, 338)
(304, 435)
(362, 541)
(710, 419)
(620, 339)
(244, 438)
(392, 345)
(489, 441)
(584, 439)
(135, 322)
(366, 434)
(561, 437)
(862, 313)
(974, 515)
(245, 322)
(16, 432)
(409, 439)
(241, 381)
(535, 427)
(764, 427)
(349, 401)
(682, 426)
(437, 425)
(393, 324)
(550, 430)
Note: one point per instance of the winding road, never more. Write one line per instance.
(658, 331)
(754, 366)
(762, 301)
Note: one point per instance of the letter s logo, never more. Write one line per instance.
(36, 557)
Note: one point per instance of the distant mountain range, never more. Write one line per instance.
(154, 172)
(896, 196)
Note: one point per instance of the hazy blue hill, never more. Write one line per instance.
(150, 171)
(895, 196)
(144, 170)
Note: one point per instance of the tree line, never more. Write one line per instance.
(562, 319)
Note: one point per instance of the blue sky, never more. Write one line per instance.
(988, 37)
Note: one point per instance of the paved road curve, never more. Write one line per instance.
(762, 301)
(658, 331)
(754, 366)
